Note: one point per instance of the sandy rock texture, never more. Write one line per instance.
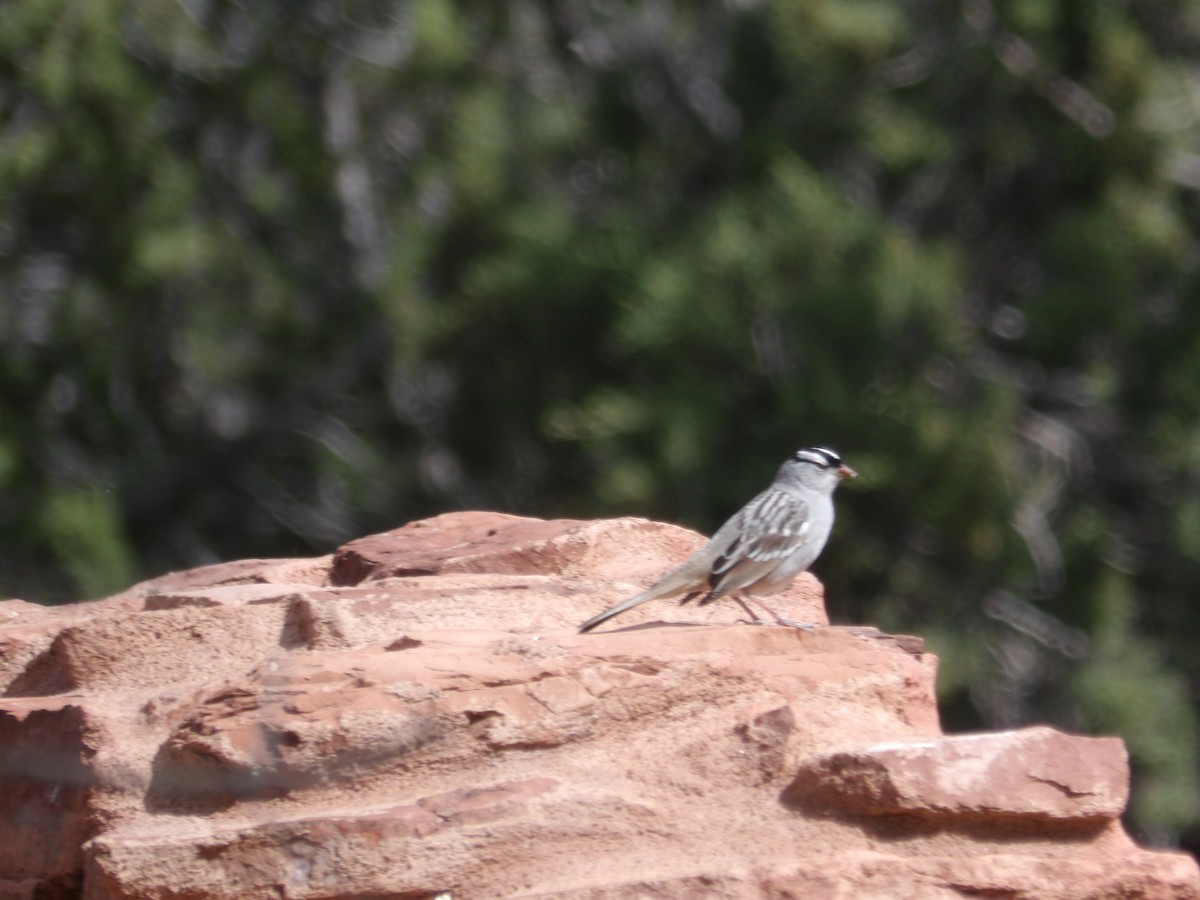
(414, 716)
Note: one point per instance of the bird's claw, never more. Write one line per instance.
(786, 623)
(792, 623)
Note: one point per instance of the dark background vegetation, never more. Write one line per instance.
(277, 274)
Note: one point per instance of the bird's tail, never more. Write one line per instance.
(675, 583)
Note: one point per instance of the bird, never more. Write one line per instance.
(764, 546)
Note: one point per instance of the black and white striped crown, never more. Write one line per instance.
(818, 456)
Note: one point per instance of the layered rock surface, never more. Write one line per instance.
(414, 716)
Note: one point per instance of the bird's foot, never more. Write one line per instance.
(785, 622)
(792, 623)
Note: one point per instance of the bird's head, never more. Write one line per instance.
(816, 467)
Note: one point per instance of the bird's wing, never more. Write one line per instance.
(771, 527)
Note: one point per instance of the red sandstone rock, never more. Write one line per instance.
(416, 715)
(47, 784)
(1035, 773)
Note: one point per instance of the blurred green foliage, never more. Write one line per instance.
(275, 275)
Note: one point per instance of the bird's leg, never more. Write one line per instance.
(780, 620)
(755, 618)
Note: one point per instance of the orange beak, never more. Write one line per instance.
(846, 472)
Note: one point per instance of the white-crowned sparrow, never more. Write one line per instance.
(770, 540)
